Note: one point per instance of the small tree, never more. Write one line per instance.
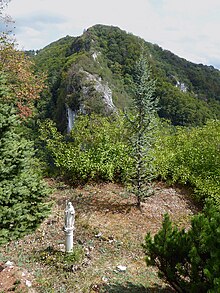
(141, 125)
(189, 261)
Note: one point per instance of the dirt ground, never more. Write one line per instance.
(109, 228)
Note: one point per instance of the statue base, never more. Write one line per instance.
(68, 239)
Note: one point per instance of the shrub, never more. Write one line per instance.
(188, 260)
(95, 149)
(191, 156)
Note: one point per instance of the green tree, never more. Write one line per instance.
(188, 260)
(22, 191)
(141, 127)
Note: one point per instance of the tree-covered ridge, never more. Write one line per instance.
(120, 48)
(189, 93)
(201, 79)
(52, 58)
(124, 48)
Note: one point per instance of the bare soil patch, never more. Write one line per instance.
(109, 233)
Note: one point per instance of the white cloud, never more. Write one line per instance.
(187, 28)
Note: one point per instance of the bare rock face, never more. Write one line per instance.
(181, 86)
(94, 93)
(102, 88)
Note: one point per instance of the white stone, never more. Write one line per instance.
(28, 283)
(95, 55)
(101, 88)
(9, 264)
(121, 268)
(62, 247)
(98, 235)
(87, 251)
(104, 279)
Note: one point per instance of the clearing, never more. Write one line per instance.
(109, 233)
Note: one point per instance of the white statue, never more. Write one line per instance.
(69, 226)
(69, 215)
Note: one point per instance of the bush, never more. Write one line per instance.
(191, 156)
(189, 261)
(95, 149)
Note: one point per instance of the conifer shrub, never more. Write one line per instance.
(22, 191)
(188, 260)
(142, 127)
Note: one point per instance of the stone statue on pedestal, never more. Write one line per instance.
(69, 226)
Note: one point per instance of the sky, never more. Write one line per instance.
(188, 28)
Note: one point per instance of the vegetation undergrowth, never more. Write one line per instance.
(60, 260)
(191, 156)
(95, 150)
(98, 149)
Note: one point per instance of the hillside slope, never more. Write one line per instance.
(93, 72)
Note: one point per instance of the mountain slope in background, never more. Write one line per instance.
(93, 73)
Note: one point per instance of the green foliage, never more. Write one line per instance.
(141, 127)
(22, 192)
(121, 49)
(51, 60)
(200, 79)
(95, 149)
(182, 108)
(189, 261)
(191, 156)
(116, 53)
(59, 260)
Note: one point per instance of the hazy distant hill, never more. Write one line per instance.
(93, 72)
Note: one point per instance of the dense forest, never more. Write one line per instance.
(188, 93)
(108, 106)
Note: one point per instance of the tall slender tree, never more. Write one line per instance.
(141, 125)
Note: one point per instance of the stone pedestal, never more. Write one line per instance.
(68, 239)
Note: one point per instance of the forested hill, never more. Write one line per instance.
(90, 70)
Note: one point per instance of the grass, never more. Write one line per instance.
(109, 232)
